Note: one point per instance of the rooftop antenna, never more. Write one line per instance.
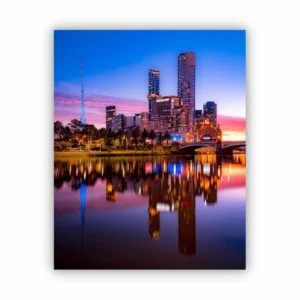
(82, 104)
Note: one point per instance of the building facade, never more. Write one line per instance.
(142, 121)
(153, 88)
(207, 131)
(210, 111)
(165, 110)
(118, 123)
(198, 113)
(186, 84)
(110, 114)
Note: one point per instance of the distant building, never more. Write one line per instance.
(137, 120)
(186, 84)
(198, 113)
(130, 121)
(142, 121)
(118, 123)
(210, 111)
(163, 111)
(110, 114)
(153, 90)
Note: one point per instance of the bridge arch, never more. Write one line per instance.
(228, 148)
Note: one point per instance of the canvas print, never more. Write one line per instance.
(149, 149)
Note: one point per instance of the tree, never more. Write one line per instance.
(58, 129)
(62, 145)
(109, 140)
(160, 137)
(67, 134)
(102, 133)
(76, 126)
(121, 137)
(167, 136)
(135, 134)
(152, 136)
(144, 136)
(90, 131)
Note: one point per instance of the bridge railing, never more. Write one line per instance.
(204, 142)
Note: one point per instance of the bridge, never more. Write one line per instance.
(226, 147)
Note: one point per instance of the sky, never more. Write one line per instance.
(116, 65)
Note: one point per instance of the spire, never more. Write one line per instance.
(82, 104)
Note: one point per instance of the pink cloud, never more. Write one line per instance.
(228, 123)
(67, 107)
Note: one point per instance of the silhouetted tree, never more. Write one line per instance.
(144, 136)
(58, 129)
(152, 136)
(160, 137)
(135, 134)
(167, 136)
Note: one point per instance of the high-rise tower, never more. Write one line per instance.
(153, 91)
(82, 104)
(186, 84)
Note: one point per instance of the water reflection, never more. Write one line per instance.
(171, 184)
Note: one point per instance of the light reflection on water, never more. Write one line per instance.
(144, 212)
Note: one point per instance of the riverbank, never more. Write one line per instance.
(58, 154)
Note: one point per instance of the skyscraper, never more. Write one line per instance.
(153, 91)
(186, 84)
(110, 113)
(210, 111)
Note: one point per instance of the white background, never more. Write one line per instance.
(26, 211)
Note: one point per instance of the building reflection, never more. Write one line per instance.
(154, 223)
(171, 184)
(187, 219)
(111, 194)
(82, 203)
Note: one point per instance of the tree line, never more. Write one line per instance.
(81, 136)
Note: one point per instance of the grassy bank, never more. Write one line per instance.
(58, 154)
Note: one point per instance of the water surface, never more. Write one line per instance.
(150, 212)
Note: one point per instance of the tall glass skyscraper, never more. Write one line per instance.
(186, 84)
(153, 92)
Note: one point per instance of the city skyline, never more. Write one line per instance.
(231, 115)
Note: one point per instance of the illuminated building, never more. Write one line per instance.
(186, 84)
(118, 123)
(153, 91)
(163, 111)
(206, 130)
(179, 122)
(110, 114)
(210, 111)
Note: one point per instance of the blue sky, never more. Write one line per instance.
(117, 63)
